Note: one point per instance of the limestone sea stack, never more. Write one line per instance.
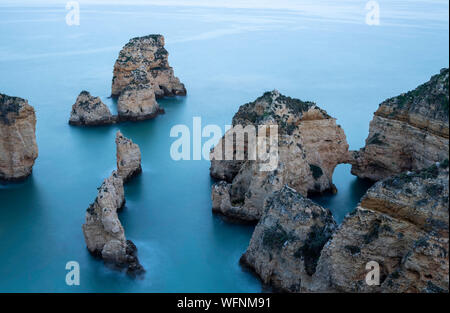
(90, 111)
(137, 102)
(18, 148)
(309, 146)
(128, 157)
(103, 232)
(145, 60)
(287, 242)
(142, 74)
(408, 132)
(402, 224)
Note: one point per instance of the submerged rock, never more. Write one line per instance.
(18, 148)
(408, 132)
(402, 224)
(128, 157)
(144, 60)
(103, 232)
(90, 111)
(287, 242)
(309, 146)
(137, 102)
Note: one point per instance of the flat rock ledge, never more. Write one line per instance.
(18, 147)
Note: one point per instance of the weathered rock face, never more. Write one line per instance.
(144, 60)
(402, 224)
(286, 244)
(137, 102)
(310, 145)
(128, 157)
(408, 132)
(103, 232)
(18, 148)
(90, 111)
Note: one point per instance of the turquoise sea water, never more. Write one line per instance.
(226, 57)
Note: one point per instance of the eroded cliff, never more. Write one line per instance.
(408, 132)
(402, 224)
(287, 242)
(309, 145)
(18, 148)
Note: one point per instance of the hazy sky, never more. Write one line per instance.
(274, 4)
(434, 10)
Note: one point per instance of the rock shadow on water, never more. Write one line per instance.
(350, 190)
(135, 187)
(12, 191)
(231, 251)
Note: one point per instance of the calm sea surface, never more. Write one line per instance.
(226, 57)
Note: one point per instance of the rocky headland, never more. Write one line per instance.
(141, 75)
(408, 132)
(90, 111)
(18, 148)
(401, 223)
(310, 146)
(103, 232)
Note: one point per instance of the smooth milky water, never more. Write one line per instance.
(226, 57)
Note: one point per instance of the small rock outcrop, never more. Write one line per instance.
(90, 111)
(402, 223)
(287, 242)
(128, 157)
(137, 102)
(103, 232)
(18, 148)
(408, 132)
(309, 146)
(144, 60)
